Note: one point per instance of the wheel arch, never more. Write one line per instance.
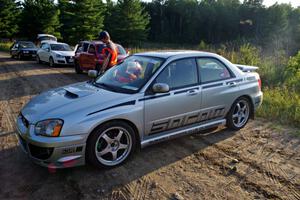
(251, 104)
(131, 124)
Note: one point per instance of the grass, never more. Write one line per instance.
(281, 105)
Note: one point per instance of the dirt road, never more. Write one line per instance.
(259, 162)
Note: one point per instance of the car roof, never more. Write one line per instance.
(43, 35)
(172, 53)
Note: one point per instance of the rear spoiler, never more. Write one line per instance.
(246, 68)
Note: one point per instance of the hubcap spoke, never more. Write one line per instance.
(238, 106)
(114, 155)
(104, 151)
(107, 138)
(235, 115)
(123, 146)
(119, 135)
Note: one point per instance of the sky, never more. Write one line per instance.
(295, 3)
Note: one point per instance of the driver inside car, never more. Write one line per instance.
(132, 73)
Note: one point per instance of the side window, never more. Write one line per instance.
(85, 47)
(92, 49)
(212, 70)
(43, 46)
(179, 74)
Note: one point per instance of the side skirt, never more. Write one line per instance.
(187, 131)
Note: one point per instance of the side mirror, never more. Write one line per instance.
(48, 49)
(17, 46)
(160, 88)
(92, 73)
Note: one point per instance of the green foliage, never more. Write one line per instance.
(39, 16)
(128, 22)
(292, 74)
(81, 19)
(9, 14)
(5, 46)
(281, 105)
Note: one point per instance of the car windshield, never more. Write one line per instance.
(60, 47)
(130, 75)
(27, 45)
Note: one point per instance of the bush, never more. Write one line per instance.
(292, 74)
(5, 46)
(281, 105)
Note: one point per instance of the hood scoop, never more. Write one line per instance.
(71, 95)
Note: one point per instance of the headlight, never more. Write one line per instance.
(50, 127)
(59, 56)
(25, 51)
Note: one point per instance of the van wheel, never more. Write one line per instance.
(111, 144)
(239, 114)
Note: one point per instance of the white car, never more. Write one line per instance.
(55, 53)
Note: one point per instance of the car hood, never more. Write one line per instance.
(81, 98)
(64, 53)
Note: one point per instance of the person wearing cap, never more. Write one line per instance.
(110, 51)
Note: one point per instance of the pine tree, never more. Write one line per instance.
(81, 19)
(129, 22)
(40, 16)
(9, 14)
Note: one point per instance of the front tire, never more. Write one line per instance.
(239, 114)
(110, 144)
(38, 60)
(77, 68)
(20, 56)
(51, 62)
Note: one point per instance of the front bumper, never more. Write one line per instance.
(51, 152)
(66, 60)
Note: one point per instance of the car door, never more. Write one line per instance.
(219, 87)
(42, 52)
(179, 107)
(83, 56)
(91, 57)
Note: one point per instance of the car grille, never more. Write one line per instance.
(68, 59)
(24, 120)
(41, 153)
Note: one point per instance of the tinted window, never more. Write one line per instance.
(92, 49)
(44, 46)
(26, 45)
(212, 70)
(85, 46)
(179, 74)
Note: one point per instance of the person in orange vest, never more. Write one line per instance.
(110, 51)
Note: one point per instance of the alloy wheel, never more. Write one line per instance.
(113, 146)
(241, 113)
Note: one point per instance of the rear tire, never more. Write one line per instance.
(239, 114)
(110, 144)
(77, 68)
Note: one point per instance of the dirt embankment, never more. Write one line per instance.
(258, 162)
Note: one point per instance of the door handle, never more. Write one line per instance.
(232, 84)
(192, 92)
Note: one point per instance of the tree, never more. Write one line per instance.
(129, 22)
(40, 16)
(81, 19)
(9, 14)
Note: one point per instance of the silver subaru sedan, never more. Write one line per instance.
(148, 98)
